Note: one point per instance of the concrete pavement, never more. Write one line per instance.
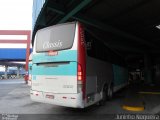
(15, 99)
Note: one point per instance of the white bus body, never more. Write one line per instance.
(62, 72)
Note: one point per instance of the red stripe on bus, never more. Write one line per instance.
(82, 57)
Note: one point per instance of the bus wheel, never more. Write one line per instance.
(104, 97)
(110, 92)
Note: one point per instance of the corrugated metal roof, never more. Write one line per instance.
(127, 26)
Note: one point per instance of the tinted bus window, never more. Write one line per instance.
(59, 37)
(90, 45)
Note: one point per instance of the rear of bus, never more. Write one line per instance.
(58, 69)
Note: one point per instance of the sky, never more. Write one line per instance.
(16, 14)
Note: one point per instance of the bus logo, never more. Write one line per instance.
(48, 45)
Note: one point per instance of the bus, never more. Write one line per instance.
(65, 71)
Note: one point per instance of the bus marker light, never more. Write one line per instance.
(73, 98)
(64, 97)
(52, 53)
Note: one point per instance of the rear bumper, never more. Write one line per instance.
(67, 100)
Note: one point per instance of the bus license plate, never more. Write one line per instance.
(50, 96)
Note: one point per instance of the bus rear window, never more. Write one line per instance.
(58, 37)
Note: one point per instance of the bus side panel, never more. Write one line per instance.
(98, 73)
(120, 77)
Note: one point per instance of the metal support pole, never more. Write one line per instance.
(27, 51)
(5, 74)
(18, 72)
(147, 69)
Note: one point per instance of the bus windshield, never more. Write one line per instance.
(59, 37)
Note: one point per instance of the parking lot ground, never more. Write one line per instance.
(11, 81)
(15, 99)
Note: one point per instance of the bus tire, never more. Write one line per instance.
(110, 92)
(104, 96)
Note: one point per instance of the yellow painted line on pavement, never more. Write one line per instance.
(133, 108)
(151, 93)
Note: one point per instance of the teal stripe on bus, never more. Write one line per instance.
(64, 55)
(69, 69)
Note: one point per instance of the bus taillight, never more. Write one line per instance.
(79, 73)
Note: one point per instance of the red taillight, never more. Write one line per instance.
(79, 73)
